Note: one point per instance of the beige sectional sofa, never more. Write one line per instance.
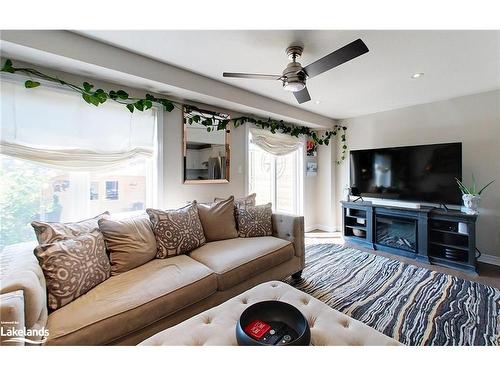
(132, 306)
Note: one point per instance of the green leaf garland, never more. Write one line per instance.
(211, 120)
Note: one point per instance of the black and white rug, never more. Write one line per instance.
(414, 305)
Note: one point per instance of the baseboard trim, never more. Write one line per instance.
(326, 228)
(490, 259)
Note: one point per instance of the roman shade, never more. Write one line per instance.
(277, 144)
(56, 128)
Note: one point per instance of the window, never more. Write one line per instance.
(58, 153)
(276, 178)
(112, 190)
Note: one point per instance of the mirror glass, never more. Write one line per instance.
(206, 154)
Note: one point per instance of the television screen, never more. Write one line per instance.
(415, 173)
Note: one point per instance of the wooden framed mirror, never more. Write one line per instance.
(206, 153)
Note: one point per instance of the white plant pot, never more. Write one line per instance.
(471, 204)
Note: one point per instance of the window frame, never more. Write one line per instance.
(155, 181)
(300, 173)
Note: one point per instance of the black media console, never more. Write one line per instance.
(427, 234)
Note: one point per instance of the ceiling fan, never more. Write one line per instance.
(294, 76)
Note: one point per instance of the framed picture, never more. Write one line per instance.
(311, 168)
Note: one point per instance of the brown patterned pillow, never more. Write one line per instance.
(176, 231)
(52, 232)
(72, 267)
(255, 221)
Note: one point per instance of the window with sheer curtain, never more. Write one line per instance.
(64, 160)
(275, 167)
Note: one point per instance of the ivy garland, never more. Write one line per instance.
(211, 120)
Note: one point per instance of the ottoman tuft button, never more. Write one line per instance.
(274, 285)
(305, 301)
(208, 320)
(244, 301)
(345, 324)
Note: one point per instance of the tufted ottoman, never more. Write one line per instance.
(217, 326)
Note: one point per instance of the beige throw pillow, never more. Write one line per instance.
(249, 200)
(218, 220)
(52, 232)
(255, 221)
(176, 231)
(130, 242)
(72, 267)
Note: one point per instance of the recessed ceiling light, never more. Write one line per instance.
(417, 75)
(317, 102)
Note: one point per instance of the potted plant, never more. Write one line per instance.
(471, 196)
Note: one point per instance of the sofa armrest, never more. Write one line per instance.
(291, 228)
(20, 271)
(12, 318)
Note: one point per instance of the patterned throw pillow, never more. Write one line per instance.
(72, 267)
(255, 221)
(176, 231)
(52, 232)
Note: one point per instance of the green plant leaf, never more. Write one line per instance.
(130, 107)
(148, 104)
(167, 105)
(87, 86)
(480, 191)
(139, 105)
(29, 84)
(463, 188)
(87, 97)
(7, 67)
(122, 94)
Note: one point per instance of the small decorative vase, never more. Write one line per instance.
(471, 204)
(347, 194)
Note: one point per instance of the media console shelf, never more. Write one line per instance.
(427, 234)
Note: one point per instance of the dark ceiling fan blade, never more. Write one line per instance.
(302, 96)
(336, 58)
(252, 76)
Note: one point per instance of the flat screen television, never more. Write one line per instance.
(423, 173)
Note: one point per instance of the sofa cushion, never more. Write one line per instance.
(130, 301)
(255, 221)
(51, 232)
(176, 231)
(130, 242)
(238, 259)
(218, 220)
(73, 267)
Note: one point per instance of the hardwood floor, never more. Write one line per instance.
(488, 274)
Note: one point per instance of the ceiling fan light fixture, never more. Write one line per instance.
(294, 86)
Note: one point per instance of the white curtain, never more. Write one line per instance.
(277, 144)
(57, 128)
(72, 159)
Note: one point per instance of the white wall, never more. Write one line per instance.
(473, 120)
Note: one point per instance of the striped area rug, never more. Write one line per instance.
(414, 305)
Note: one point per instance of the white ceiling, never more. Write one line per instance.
(455, 63)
